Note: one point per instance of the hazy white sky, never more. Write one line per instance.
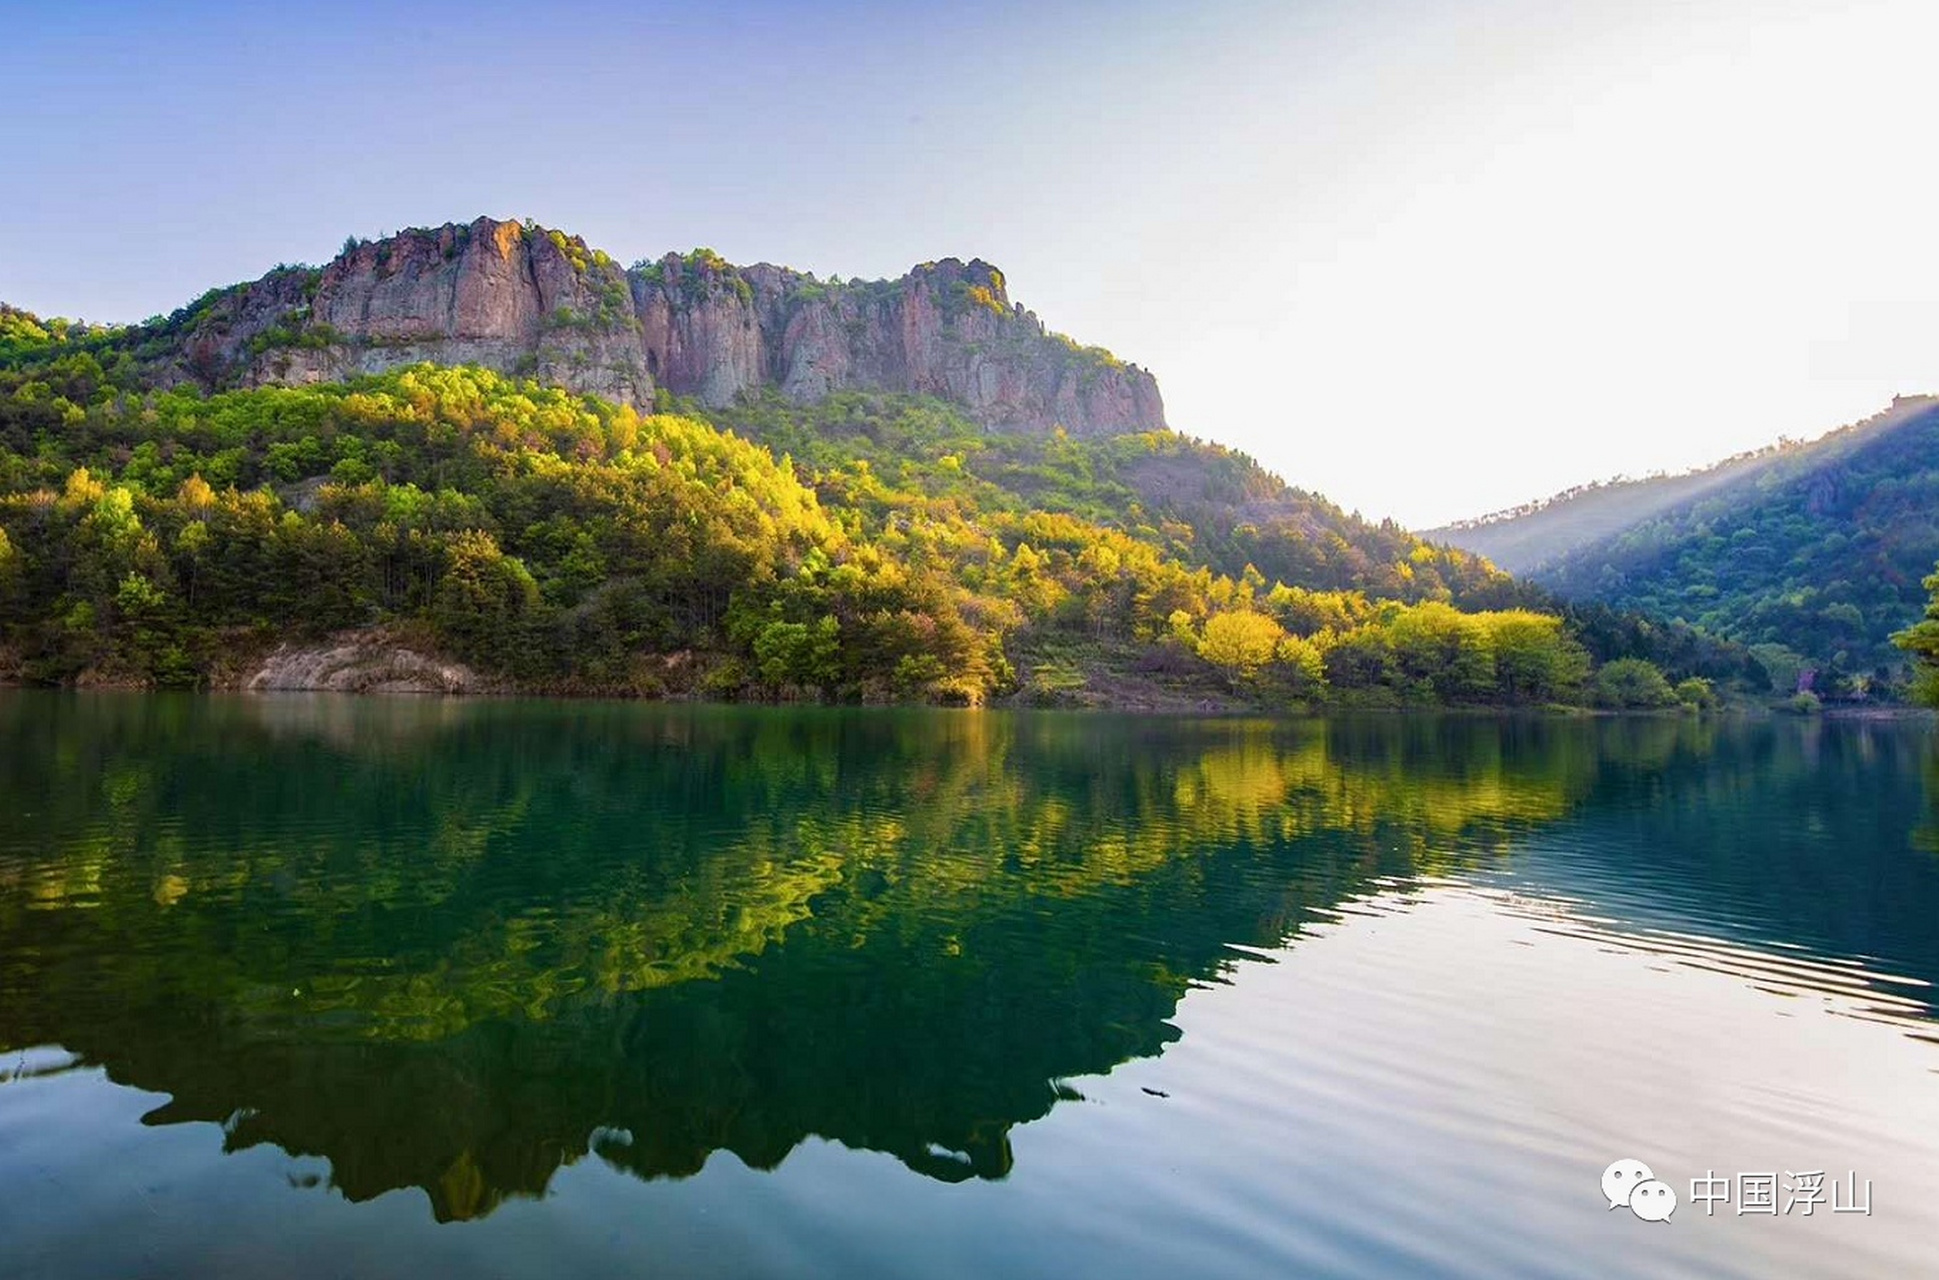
(1428, 258)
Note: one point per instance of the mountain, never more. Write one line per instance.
(1814, 550)
(1525, 539)
(523, 300)
(485, 456)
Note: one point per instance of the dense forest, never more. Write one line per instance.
(867, 547)
(1810, 554)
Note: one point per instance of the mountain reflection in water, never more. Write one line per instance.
(459, 945)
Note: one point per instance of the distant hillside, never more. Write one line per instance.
(1523, 539)
(1814, 548)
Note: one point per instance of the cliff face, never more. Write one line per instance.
(491, 294)
(946, 329)
(536, 303)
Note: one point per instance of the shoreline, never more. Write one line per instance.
(1209, 708)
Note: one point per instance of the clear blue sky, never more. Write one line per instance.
(1430, 258)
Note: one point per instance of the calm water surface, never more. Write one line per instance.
(315, 987)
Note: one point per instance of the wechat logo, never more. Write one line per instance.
(1630, 1184)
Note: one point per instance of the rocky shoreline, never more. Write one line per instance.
(363, 664)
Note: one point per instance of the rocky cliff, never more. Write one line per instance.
(527, 301)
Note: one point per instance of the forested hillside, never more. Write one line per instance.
(860, 543)
(1813, 554)
(1526, 539)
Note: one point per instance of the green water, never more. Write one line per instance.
(319, 986)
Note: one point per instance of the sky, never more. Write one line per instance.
(1428, 258)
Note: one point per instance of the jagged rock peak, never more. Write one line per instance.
(526, 300)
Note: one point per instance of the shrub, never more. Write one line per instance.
(1633, 683)
(1696, 693)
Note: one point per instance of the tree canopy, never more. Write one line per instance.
(869, 547)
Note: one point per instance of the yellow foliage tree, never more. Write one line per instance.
(1240, 641)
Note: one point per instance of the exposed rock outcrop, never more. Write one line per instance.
(946, 329)
(361, 663)
(493, 293)
(523, 300)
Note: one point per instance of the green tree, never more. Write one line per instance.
(1633, 683)
(1536, 660)
(1302, 665)
(1438, 648)
(486, 601)
(1921, 640)
(1696, 693)
(800, 654)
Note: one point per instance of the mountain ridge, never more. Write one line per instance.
(1524, 538)
(525, 300)
(1815, 549)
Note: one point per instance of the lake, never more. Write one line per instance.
(314, 986)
